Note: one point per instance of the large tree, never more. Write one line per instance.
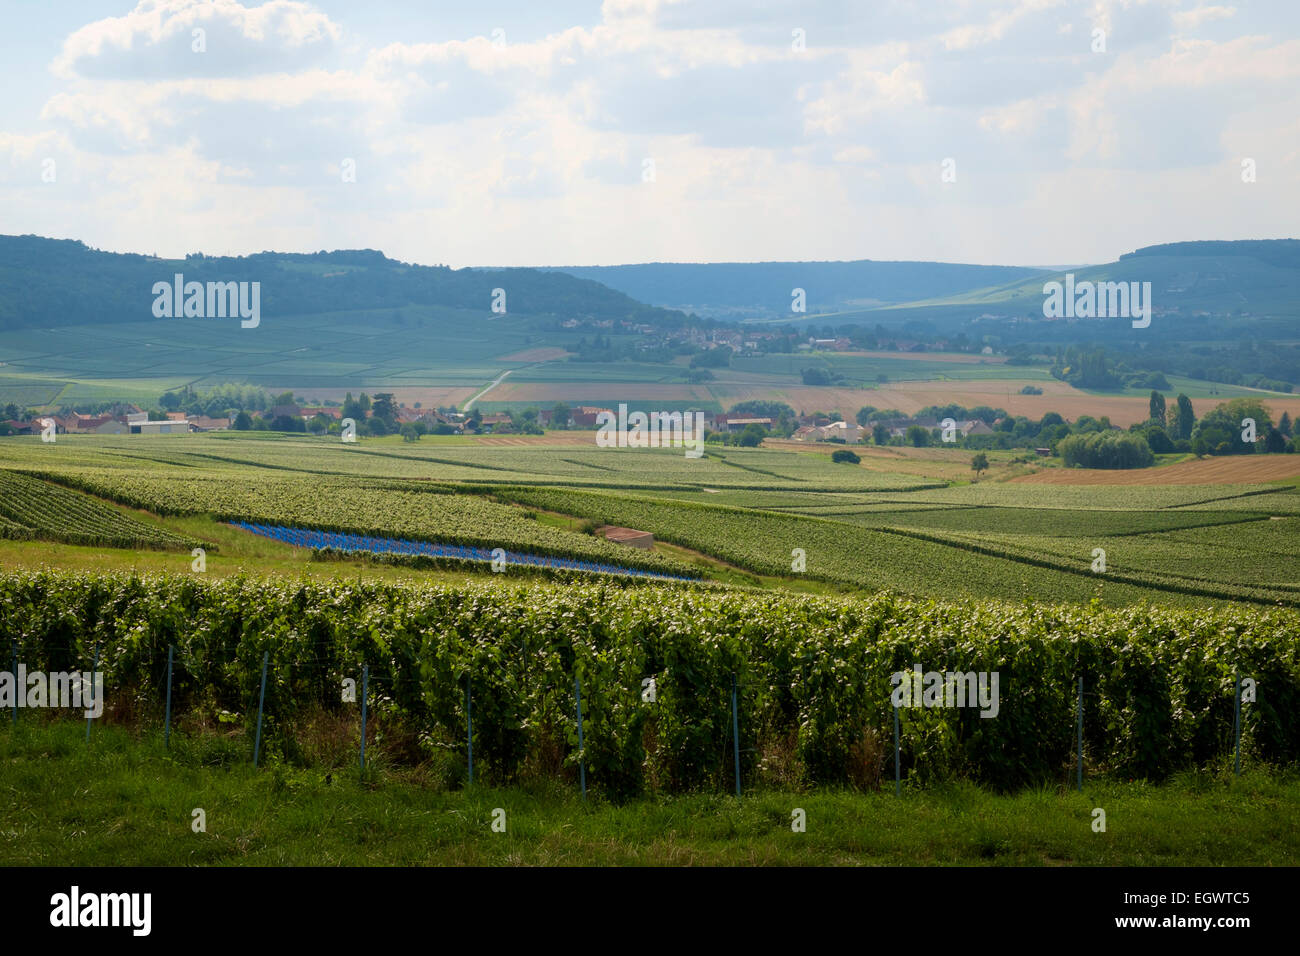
(1157, 408)
(385, 407)
(353, 409)
(1221, 431)
(1186, 417)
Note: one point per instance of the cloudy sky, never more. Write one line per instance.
(514, 132)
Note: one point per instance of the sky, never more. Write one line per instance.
(572, 132)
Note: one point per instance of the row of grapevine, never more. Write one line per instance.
(813, 674)
(574, 467)
(1133, 561)
(425, 513)
(1220, 558)
(869, 558)
(1048, 522)
(34, 509)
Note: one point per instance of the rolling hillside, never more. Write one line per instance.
(750, 289)
(1257, 279)
(48, 283)
(77, 325)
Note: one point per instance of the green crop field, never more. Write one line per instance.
(328, 350)
(784, 519)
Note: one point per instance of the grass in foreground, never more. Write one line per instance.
(124, 800)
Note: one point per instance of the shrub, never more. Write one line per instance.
(1107, 449)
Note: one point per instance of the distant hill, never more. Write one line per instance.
(734, 290)
(1260, 278)
(77, 324)
(55, 282)
(1204, 290)
(1283, 253)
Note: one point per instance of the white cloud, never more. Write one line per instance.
(158, 39)
(468, 151)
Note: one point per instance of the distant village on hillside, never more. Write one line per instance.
(380, 415)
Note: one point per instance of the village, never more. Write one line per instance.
(129, 419)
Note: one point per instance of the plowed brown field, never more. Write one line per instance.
(908, 397)
(543, 354)
(429, 397)
(572, 439)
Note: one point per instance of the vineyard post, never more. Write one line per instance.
(167, 721)
(1236, 726)
(898, 780)
(735, 732)
(93, 668)
(469, 726)
(365, 679)
(257, 743)
(582, 766)
(1080, 721)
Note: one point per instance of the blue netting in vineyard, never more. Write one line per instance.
(342, 541)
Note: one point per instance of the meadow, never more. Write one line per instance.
(130, 801)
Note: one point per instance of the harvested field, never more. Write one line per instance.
(535, 355)
(959, 358)
(572, 439)
(1228, 470)
(587, 392)
(428, 397)
(908, 397)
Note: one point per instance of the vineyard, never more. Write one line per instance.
(30, 508)
(899, 551)
(786, 516)
(423, 513)
(813, 675)
(484, 464)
